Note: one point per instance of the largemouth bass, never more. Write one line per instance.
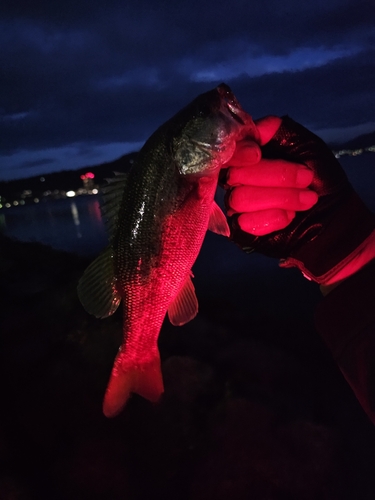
(158, 216)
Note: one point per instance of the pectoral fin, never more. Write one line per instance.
(218, 222)
(96, 289)
(185, 306)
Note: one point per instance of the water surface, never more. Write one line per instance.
(70, 224)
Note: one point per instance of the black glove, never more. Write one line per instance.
(321, 240)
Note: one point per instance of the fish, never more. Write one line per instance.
(158, 214)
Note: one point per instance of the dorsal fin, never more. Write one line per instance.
(96, 289)
(185, 306)
(218, 222)
(112, 195)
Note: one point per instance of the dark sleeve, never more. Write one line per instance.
(346, 321)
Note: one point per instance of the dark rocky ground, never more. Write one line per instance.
(254, 407)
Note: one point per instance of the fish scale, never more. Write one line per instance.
(157, 226)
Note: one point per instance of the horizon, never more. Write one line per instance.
(333, 146)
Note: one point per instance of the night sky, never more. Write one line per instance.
(85, 82)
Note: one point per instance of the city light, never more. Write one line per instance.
(70, 194)
(88, 175)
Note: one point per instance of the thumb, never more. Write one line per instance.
(267, 127)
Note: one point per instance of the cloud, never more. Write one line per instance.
(36, 163)
(337, 95)
(102, 74)
(62, 158)
(232, 67)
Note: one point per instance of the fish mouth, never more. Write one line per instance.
(233, 112)
(233, 109)
(232, 105)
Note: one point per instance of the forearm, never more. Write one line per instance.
(346, 321)
(331, 241)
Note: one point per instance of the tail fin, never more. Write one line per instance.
(144, 379)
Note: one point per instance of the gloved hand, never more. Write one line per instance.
(326, 231)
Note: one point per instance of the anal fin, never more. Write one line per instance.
(185, 306)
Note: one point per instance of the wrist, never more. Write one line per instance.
(344, 244)
(360, 258)
(354, 262)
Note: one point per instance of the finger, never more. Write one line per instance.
(247, 153)
(265, 221)
(253, 199)
(271, 173)
(267, 128)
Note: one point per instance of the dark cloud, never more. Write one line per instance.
(91, 72)
(340, 93)
(270, 23)
(337, 94)
(36, 163)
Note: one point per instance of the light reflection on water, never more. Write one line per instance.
(71, 225)
(76, 220)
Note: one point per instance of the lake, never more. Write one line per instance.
(75, 225)
(70, 224)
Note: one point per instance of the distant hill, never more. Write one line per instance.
(70, 179)
(65, 180)
(362, 141)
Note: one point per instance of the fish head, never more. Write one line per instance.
(208, 130)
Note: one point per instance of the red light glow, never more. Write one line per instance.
(87, 175)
